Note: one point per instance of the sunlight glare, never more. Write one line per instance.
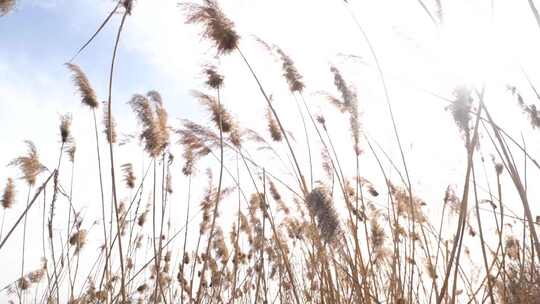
(471, 52)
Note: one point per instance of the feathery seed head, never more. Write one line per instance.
(128, 6)
(78, 239)
(320, 205)
(6, 6)
(23, 283)
(8, 197)
(153, 118)
(349, 104)
(291, 74)
(65, 127)
(219, 114)
(83, 85)
(213, 79)
(29, 164)
(377, 235)
(109, 124)
(36, 275)
(273, 127)
(499, 168)
(347, 94)
(71, 149)
(216, 26)
(461, 107)
(129, 176)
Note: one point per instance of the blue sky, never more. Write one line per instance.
(41, 36)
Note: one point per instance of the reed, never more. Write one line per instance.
(262, 231)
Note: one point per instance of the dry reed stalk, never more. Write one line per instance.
(89, 99)
(517, 183)
(31, 202)
(462, 120)
(218, 193)
(127, 5)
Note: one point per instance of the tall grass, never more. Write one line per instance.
(336, 237)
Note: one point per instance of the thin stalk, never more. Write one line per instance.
(519, 186)
(463, 210)
(113, 181)
(482, 242)
(218, 195)
(24, 231)
(31, 203)
(185, 236)
(303, 185)
(102, 196)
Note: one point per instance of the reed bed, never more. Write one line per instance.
(315, 232)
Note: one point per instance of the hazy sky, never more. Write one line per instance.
(477, 44)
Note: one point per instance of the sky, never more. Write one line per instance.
(481, 43)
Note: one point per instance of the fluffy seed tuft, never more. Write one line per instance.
(461, 107)
(6, 6)
(78, 239)
(273, 127)
(153, 118)
(129, 176)
(216, 26)
(29, 164)
(291, 74)
(8, 198)
(65, 128)
(83, 85)
(319, 203)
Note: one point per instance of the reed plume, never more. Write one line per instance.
(78, 240)
(29, 164)
(65, 128)
(219, 245)
(23, 284)
(36, 276)
(129, 176)
(142, 218)
(291, 74)
(530, 110)
(347, 95)
(277, 197)
(109, 125)
(377, 234)
(461, 107)
(6, 6)
(128, 6)
(216, 26)
(214, 79)
(219, 114)
(320, 205)
(197, 142)
(273, 127)
(349, 104)
(82, 83)
(8, 197)
(71, 150)
(406, 206)
(153, 119)
(161, 117)
(354, 121)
